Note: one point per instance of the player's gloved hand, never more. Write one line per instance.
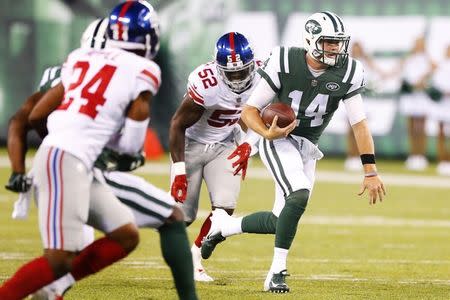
(107, 160)
(243, 152)
(130, 162)
(178, 189)
(18, 182)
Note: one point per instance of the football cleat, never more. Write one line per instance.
(46, 294)
(276, 282)
(202, 276)
(209, 244)
(199, 270)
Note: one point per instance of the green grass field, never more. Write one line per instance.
(344, 248)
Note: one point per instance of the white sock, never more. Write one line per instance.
(196, 257)
(279, 260)
(62, 284)
(232, 227)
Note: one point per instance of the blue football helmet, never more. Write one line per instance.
(134, 25)
(235, 61)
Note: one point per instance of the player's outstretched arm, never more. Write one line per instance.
(17, 144)
(372, 181)
(186, 115)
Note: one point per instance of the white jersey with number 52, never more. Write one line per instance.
(222, 106)
(99, 87)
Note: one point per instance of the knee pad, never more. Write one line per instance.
(298, 200)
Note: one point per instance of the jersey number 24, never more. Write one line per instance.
(94, 98)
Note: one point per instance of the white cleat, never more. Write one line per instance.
(46, 294)
(199, 270)
(200, 275)
(443, 168)
(416, 163)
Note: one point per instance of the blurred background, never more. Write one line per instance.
(36, 34)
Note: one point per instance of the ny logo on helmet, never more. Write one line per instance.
(313, 27)
(120, 32)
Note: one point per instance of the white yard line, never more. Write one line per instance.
(390, 179)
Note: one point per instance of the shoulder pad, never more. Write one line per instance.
(50, 78)
(203, 84)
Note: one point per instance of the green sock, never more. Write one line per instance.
(177, 254)
(288, 220)
(259, 222)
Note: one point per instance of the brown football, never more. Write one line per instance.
(284, 112)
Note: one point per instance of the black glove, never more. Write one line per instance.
(130, 162)
(18, 183)
(110, 160)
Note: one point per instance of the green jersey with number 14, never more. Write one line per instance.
(313, 99)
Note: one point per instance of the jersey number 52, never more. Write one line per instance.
(95, 97)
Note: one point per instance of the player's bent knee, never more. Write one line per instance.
(176, 216)
(298, 199)
(127, 236)
(59, 260)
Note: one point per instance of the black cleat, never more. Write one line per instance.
(210, 243)
(278, 282)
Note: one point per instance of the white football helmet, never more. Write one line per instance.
(326, 26)
(94, 36)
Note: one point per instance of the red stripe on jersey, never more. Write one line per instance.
(122, 13)
(195, 98)
(233, 50)
(152, 77)
(193, 89)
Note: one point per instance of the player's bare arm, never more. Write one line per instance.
(17, 133)
(48, 103)
(372, 182)
(139, 109)
(186, 115)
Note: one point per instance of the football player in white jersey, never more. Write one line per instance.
(151, 207)
(312, 80)
(202, 133)
(91, 116)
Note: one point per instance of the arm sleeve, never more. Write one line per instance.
(355, 109)
(131, 140)
(261, 96)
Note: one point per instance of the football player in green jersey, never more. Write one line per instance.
(312, 80)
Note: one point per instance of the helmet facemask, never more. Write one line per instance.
(331, 58)
(237, 78)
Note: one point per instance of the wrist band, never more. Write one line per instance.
(367, 159)
(371, 174)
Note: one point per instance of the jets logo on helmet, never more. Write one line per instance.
(326, 27)
(235, 61)
(312, 26)
(134, 25)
